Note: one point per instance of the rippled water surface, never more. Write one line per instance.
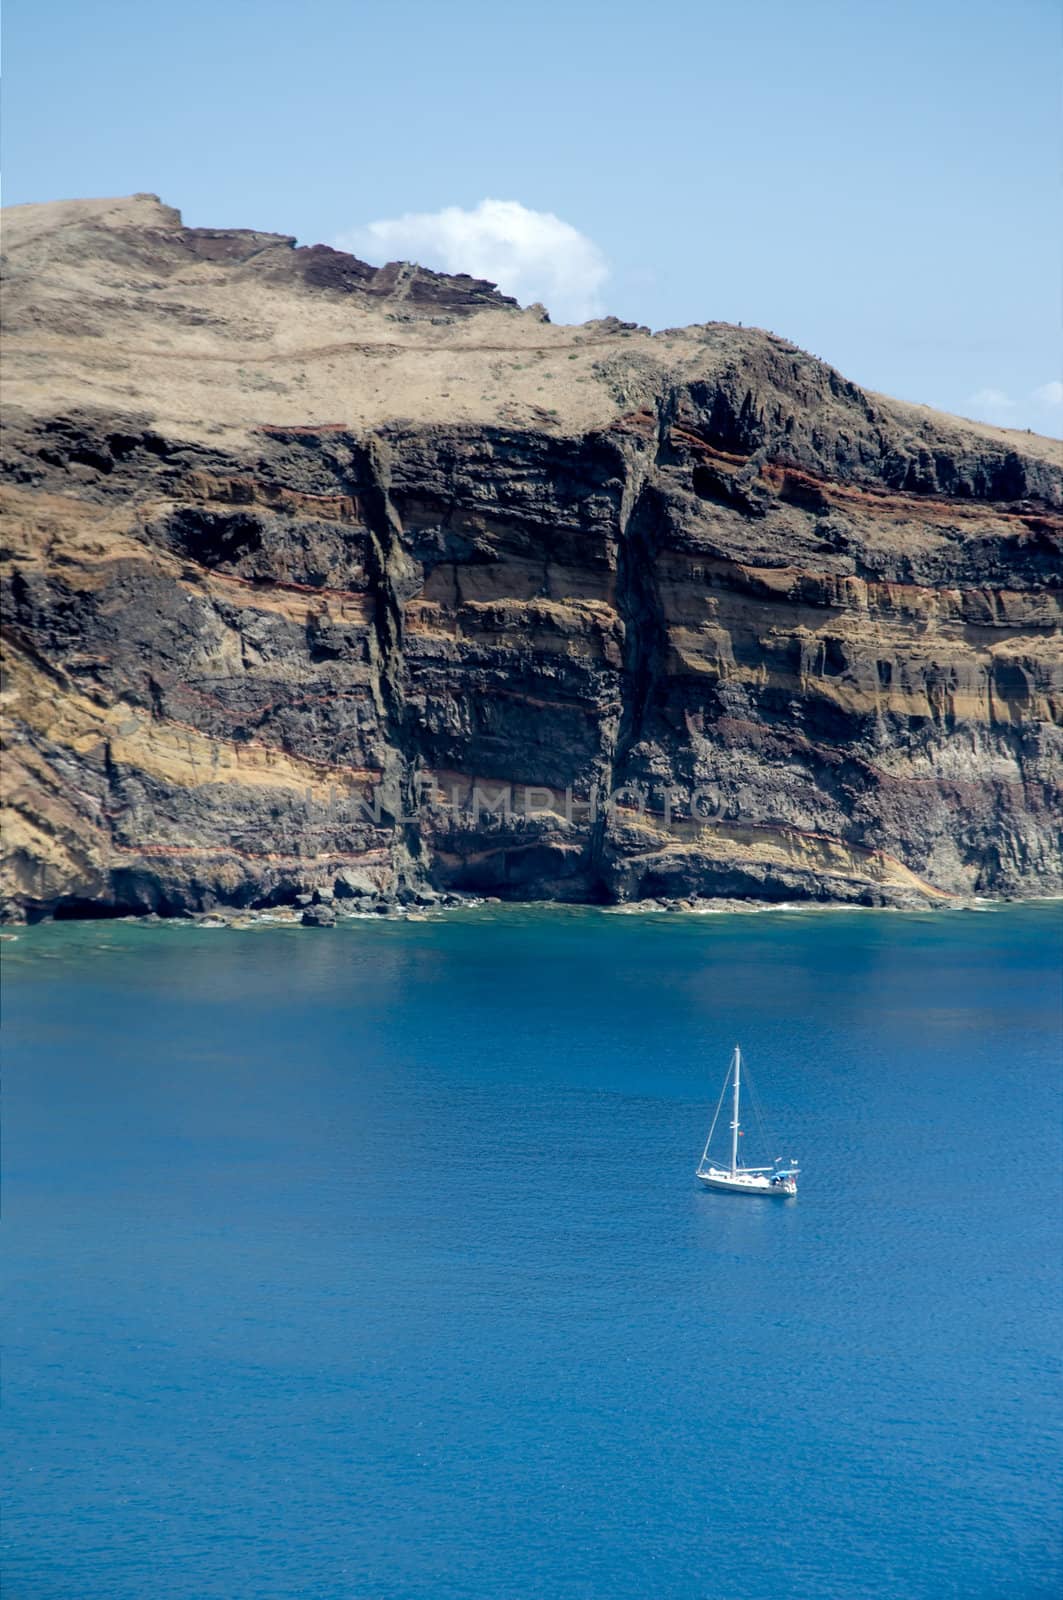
(369, 1262)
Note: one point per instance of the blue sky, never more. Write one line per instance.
(876, 179)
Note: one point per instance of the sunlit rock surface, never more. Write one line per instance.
(315, 571)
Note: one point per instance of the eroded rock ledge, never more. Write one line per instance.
(694, 616)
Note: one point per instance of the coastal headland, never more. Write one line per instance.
(319, 576)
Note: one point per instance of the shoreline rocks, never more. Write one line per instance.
(324, 916)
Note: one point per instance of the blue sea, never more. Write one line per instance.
(369, 1262)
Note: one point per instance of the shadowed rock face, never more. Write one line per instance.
(572, 613)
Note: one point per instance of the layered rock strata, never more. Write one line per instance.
(317, 573)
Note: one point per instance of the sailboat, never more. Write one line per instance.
(778, 1180)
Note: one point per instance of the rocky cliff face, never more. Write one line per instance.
(316, 573)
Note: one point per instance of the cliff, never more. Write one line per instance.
(315, 573)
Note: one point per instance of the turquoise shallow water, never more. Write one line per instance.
(369, 1262)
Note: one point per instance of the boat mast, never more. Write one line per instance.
(734, 1115)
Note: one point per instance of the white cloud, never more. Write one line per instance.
(992, 400)
(1050, 394)
(531, 255)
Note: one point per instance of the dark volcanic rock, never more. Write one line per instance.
(578, 614)
(318, 916)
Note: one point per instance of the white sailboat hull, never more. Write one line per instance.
(747, 1183)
